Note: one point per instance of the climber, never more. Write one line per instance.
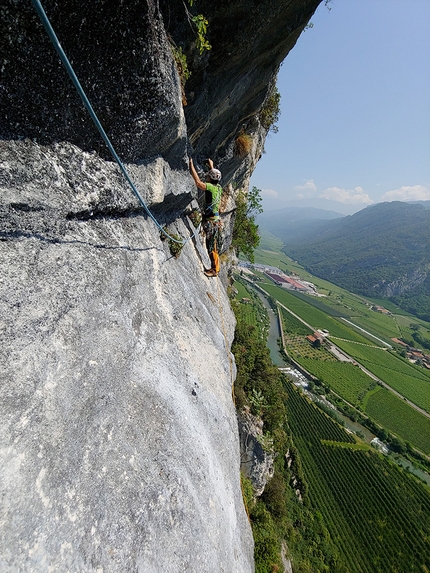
(211, 219)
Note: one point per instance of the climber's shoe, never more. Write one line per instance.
(211, 273)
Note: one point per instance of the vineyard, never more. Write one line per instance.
(344, 378)
(395, 415)
(376, 514)
(292, 325)
(314, 316)
(409, 380)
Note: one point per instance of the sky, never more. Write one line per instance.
(354, 128)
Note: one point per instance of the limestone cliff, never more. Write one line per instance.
(119, 440)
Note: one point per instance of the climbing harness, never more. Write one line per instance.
(52, 36)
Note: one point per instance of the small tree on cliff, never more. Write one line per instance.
(245, 233)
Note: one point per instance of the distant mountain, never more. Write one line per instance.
(275, 204)
(382, 251)
(293, 224)
(425, 204)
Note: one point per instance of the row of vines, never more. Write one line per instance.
(378, 516)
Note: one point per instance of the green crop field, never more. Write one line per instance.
(382, 324)
(241, 290)
(397, 416)
(254, 312)
(319, 303)
(292, 325)
(377, 515)
(313, 316)
(344, 378)
(409, 380)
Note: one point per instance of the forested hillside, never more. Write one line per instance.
(382, 251)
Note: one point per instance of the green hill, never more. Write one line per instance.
(382, 251)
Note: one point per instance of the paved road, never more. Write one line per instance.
(366, 332)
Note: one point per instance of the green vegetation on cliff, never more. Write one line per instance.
(245, 231)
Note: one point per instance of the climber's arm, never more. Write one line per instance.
(196, 178)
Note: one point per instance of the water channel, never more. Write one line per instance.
(274, 335)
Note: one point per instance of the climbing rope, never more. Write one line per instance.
(52, 36)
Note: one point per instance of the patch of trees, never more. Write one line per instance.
(245, 232)
(278, 514)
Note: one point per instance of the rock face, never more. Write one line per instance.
(120, 449)
(119, 441)
(122, 58)
(256, 462)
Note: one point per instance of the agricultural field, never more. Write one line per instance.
(394, 414)
(299, 348)
(404, 322)
(319, 303)
(377, 515)
(343, 378)
(409, 380)
(269, 253)
(384, 324)
(241, 290)
(346, 380)
(292, 325)
(315, 317)
(253, 311)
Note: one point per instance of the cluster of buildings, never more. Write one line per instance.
(414, 354)
(381, 309)
(283, 280)
(292, 283)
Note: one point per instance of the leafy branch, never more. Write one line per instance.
(200, 24)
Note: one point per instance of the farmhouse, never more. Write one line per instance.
(397, 341)
(315, 339)
(380, 309)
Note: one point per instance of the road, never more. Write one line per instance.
(366, 332)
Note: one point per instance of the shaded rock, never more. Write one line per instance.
(255, 462)
(230, 83)
(122, 58)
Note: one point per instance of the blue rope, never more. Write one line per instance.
(50, 31)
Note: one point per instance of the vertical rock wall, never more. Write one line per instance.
(119, 445)
(119, 436)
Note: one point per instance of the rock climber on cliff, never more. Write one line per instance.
(211, 219)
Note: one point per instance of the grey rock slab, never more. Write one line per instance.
(119, 441)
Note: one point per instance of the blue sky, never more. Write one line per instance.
(355, 121)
